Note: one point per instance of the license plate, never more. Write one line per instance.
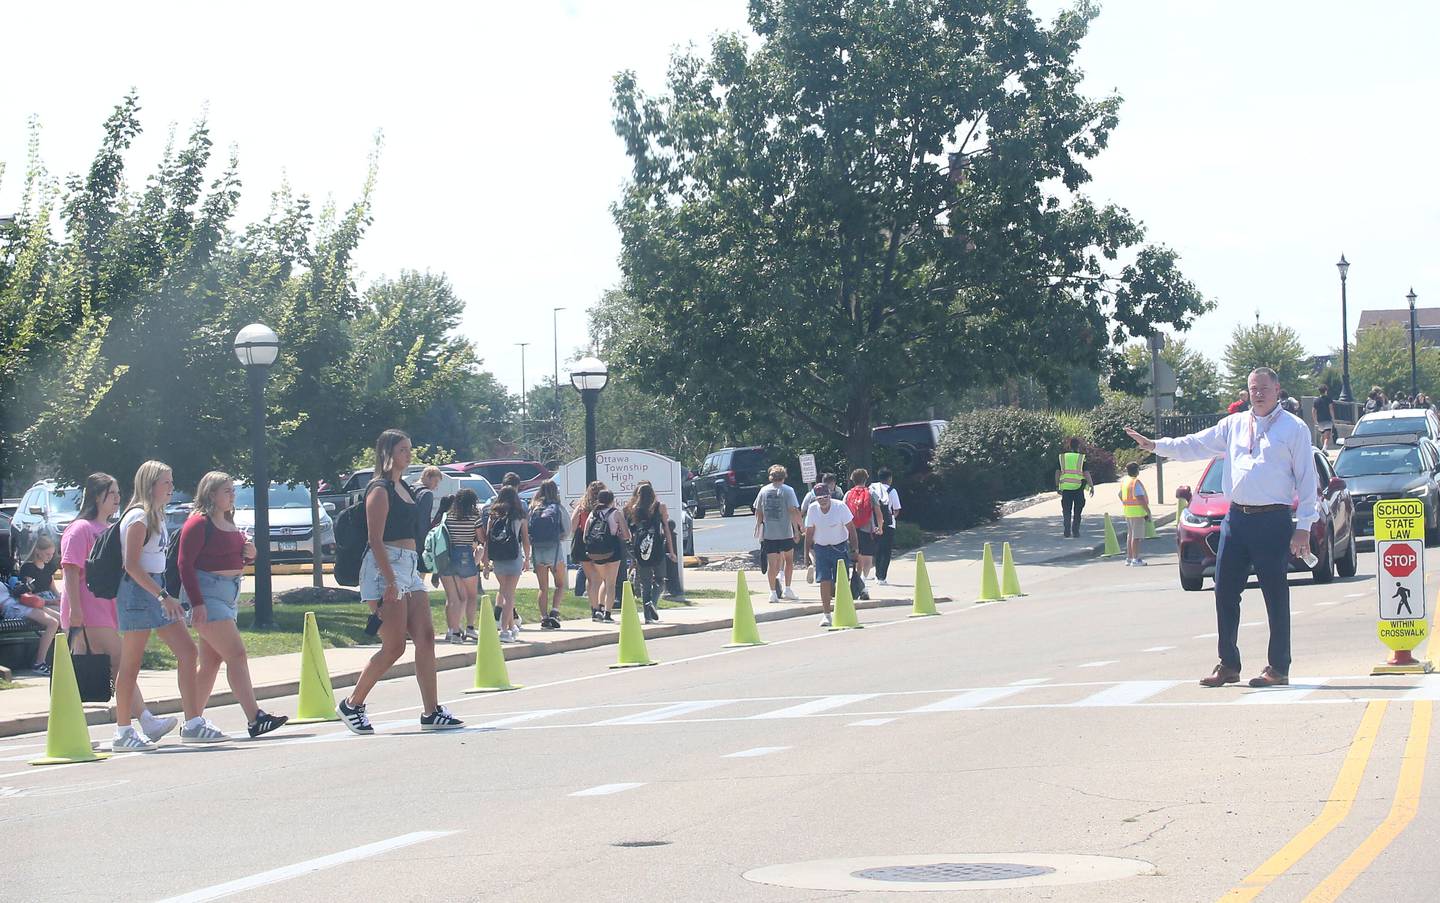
(287, 546)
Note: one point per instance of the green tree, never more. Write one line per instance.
(1381, 357)
(875, 199)
(1197, 378)
(1264, 345)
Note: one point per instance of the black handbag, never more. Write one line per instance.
(857, 585)
(92, 671)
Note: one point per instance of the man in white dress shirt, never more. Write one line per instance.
(1269, 465)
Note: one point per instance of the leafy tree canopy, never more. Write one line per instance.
(1263, 345)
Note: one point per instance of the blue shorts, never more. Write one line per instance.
(137, 609)
(827, 557)
(404, 562)
(511, 568)
(462, 562)
(221, 595)
(547, 554)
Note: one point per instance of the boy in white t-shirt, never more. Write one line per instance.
(830, 538)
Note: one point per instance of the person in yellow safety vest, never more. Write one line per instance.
(1136, 510)
(1072, 479)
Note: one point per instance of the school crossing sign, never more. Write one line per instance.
(1400, 580)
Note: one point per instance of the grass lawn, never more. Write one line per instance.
(344, 625)
(7, 684)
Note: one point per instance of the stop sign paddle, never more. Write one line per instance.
(1400, 560)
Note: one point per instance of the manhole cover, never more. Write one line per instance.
(631, 844)
(953, 871)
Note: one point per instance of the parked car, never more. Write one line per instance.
(1332, 536)
(914, 441)
(729, 479)
(177, 510)
(531, 473)
(1389, 467)
(7, 561)
(45, 510)
(1390, 423)
(291, 531)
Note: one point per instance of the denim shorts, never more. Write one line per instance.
(512, 568)
(827, 557)
(462, 562)
(10, 607)
(137, 608)
(221, 594)
(547, 554)
(405, 564)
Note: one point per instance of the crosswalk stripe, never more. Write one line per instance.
(815, 706)
(1128, 693)
(665, 713)
(1298, 689)
(754, 753)
(970, 700)
(606, 789)
(522, 717)
(1429, 689)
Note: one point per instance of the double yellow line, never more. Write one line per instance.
(1337, 807)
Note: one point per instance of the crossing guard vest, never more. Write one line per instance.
(1129, 499)
(1072, 470)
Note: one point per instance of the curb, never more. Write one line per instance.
(464, 658)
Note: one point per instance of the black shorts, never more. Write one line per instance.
(776, 546)
(867, 542)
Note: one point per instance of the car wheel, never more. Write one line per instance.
(1324, 570)
(699, 512)
(1191, 584)
(1346, 564)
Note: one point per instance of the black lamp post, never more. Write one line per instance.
(1344, 267)
(589, 377)
(257, 346)
(1414, 387)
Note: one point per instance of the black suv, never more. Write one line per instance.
(729, 479)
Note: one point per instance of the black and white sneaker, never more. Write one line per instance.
(550, 622)
(440, 720)
(41, 669)
(595, 615)
(353, 716)
(265, 722)
(606, 616)
(651, 615)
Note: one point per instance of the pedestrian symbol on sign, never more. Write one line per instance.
(1403, 594)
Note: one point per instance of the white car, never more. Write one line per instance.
(1406, 421)
(291, 532)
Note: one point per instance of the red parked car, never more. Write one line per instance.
(1332, 536)
(531, 473)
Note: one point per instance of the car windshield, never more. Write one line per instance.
(1214, 477)
(1373, 460)
(1390, 426)
(281, 496)
(65, 501)
(495, 473)
(484, 492)
(179, 497)
(914, 434)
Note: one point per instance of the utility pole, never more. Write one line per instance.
(1156, 343)
(555, 326)
(524, 405)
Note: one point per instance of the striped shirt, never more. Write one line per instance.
(462, 529)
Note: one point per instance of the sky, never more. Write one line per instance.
(1259, 140)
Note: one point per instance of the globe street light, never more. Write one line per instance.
(1414, 389)
(1344, 267)
(257, 346)
(589, 376)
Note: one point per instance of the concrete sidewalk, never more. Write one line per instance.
(953, 563)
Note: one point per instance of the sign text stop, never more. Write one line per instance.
(1400, 560)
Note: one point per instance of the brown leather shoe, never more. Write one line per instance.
(1220, 677)
(1270, 678)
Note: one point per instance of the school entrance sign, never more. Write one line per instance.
(621, 470)
(1400, 582)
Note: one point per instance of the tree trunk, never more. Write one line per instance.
(857, 420)
(317, 557)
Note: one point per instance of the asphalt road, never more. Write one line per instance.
(1063, 730)
(717, 534)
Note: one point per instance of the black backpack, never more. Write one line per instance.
(598, 539)
(172, 560)
(647, 538)
(351, 538)
(545, 523)
(104, 565)
(500, 541)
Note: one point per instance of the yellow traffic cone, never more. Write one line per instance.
(844, 617)
(1009, 580)
(317, 696)
(67, 739)
(1112, 545)
(491, 675)
(1150, 529)
(744, 632)
(1180, 506)
(989, 587)
(632, 636)
(924, 597)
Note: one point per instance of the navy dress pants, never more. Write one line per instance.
(1262, 542)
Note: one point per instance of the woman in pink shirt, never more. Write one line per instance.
(90, 621)
(211, 560)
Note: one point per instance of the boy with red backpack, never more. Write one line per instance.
(868, 511)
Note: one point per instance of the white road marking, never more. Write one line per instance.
(1111, 661)
(285, 873)
(1030, 682)
(1252, 624)
(1429, 688)
(870, 722)
(1158, 649)
(755, 753)
(1332, 602)
(1348, 596)
(1299, 688)
(1206, 636)
(665, 713)
(1128, 693)
(521, 718)
(970, 700)
(607, 789)
(815, 706)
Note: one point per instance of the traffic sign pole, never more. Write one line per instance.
(1400, 583)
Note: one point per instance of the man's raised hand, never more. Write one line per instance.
(1143, 442)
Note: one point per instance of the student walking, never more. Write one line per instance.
(884, 489)
(390, 584)
(869, 522)
(605, 536)
(579, 517)
(1325, 416)
(211, 559)
(507, 536)
(143, 605)
(87, 618)
(1071, 479)
(461, 522)
(777, 514)
(35, 576)
(652, 543)
(549, 528)
(831, 539)
(1137, 511)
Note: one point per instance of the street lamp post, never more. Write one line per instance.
(524, 404)
(1414, 387)
(257, 346)
(589, 377)
(555, 328)
(1344, 267)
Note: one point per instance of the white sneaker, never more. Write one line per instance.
(128, 740)
(825, 621)
(774, 596)
(156, 727)
(884, 582)
(204, 732)
(508, 636)
(1139, 563)
(790, 595)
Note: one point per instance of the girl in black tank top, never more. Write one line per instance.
(400, 519)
